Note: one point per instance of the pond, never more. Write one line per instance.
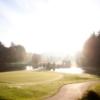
(72, 70)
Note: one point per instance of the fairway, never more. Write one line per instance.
(29, 85)
(18, 77)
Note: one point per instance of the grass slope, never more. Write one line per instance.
(23, 85)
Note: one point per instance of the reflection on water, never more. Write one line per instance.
(72, 70)
(29, 68)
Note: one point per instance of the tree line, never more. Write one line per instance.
(15, 57)
(89, 59)
(11, 56)
(14, 53)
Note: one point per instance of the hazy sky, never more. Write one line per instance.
(49, 26)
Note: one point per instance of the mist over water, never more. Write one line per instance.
(74, 69)
(71, 70)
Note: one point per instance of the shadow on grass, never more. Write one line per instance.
(2, 98)
(91, 95)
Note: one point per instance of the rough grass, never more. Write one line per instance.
(96, 88)
(24, 85)
(93, 92)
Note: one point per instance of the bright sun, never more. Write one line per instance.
(51, 30)
(57, 27)
(53, 44)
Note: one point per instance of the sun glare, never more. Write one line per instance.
(52, 26)
(49, 28)
(75, 70)
(29, 68)
(71, 70)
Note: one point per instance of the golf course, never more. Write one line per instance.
(30, 85)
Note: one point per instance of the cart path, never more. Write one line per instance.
(72, 91)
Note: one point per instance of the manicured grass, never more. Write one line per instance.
(23, 85)
(26, 76)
